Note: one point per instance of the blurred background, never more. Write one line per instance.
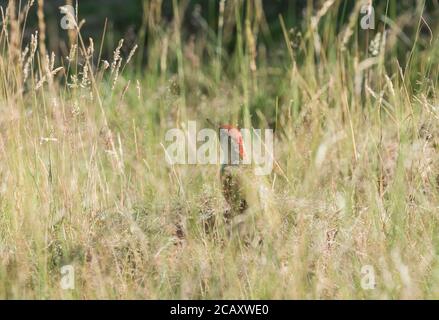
(137, 21)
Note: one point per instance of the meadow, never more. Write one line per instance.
(352, 210)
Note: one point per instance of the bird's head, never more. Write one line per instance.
(233, 136)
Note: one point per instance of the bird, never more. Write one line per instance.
(239, 187)
(231, 172)
(245, 193)
(232, 145)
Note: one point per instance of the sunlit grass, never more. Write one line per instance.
(84, 181)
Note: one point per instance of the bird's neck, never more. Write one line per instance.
(224, 166)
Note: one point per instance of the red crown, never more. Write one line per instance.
(235, 134)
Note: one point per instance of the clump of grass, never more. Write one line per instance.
(84, 181)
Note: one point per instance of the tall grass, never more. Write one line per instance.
(84, 180)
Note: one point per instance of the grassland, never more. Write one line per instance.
(84, 182)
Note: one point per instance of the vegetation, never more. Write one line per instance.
(84, 181)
